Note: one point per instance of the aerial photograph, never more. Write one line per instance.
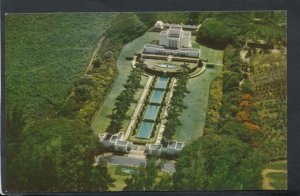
(154, 101)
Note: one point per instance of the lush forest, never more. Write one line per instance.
(45, 54)
(220, 29)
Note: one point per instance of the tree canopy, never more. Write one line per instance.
(58, 155)
(147, 178)
(217, 163)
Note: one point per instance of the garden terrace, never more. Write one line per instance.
(154, 67)
(154, 107)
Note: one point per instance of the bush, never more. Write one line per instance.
(129, 58)
(82, 93)
(70, 106)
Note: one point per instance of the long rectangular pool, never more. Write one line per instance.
(145, 130)
(151, 112)
(157, 96)
(162, 83)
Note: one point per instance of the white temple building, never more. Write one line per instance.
(175, 38)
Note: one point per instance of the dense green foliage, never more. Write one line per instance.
(125, 27)
(227, 156)
(57, 155)
(217, 163)
(124, 100)
(89, 91)
(220, 29)
(176, 103)
(44, 54)
(269, 71)
(215, 102)
(51, 85)
(147, 178)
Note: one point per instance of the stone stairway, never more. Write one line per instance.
(137, 152)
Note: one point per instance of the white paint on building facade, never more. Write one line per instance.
(173, 41)
(160, 50)
(115, 142)
(160, 25)
(175, 38)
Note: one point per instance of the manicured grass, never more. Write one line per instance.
(277, 165)
(119, 179)
(278, 180)
(194, 116)
(101, 121)
(213, 55)
(45, 53)
(116, 173)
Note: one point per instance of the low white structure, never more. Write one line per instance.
(115, 142)
(175, 37)
(160, 50)
(172, 148)
(160, 25)
(153, 149)
(123, 146)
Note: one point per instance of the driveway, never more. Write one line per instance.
(168, 166)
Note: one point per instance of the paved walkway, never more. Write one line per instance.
(133, 62)
(138, 108)
(203, 68)
(137, 151)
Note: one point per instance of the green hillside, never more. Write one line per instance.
(44, 54)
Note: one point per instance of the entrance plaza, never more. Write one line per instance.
(143, 134)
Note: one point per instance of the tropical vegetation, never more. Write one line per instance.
(148, 178)
(176, 103)
(124, 100)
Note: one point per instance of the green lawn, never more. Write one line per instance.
(45, 53)
(116, 173)
(119, 179)
(194, 116)
(278, 180)
(213, 56)
(101, 121)
(277, 165)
